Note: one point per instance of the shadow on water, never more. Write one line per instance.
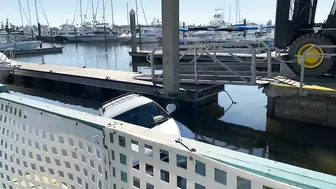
(303, 145)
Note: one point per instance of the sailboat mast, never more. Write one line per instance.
(37, 18)
(127, 14)
(143, 11)
(103, 11)
(20, 7)
(237, 12)
(81, 11)
(93, 12)
(230, 14)
(30, 20)
(137, 15)
(112, 12)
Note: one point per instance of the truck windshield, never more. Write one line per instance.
(144, 115)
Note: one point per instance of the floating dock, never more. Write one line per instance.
(101, 84)
(38, 51)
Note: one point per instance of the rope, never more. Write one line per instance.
(233, 102)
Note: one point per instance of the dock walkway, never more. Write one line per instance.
(112, 79)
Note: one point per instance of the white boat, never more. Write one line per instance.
(22, 45)
(6, 67)
(218, 19)
(88, 33)
(148, 36)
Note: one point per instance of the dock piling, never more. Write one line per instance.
(133, 31)
(39, 33)
(139, 36)
(170, 46)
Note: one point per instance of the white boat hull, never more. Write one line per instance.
(20, 45)
(86, 38)
(148, 40)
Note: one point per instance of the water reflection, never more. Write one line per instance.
(97, 55)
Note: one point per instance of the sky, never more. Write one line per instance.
(191, 11)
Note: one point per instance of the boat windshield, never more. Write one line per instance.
(148, 115)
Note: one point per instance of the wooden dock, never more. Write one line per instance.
(38, 51)
(102, 83)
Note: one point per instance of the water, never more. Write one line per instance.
(243, 126)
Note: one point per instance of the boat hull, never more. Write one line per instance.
(20, 45)
(148, 40)
(85, 38)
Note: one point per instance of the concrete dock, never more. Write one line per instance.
(38, 51)
(101, 84)
(316, 106)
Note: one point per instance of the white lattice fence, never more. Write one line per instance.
(45, 146)
(45, 150)
(145, 159)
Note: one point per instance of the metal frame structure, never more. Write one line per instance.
(211, 50)
(304, 57)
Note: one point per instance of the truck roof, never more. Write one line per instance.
(122, 104)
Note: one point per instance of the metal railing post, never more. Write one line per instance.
(195, 63)
(302, 72)
(152, 63)
(254, 67)
(303, 64)
(269, 61)
(254, 64)
(215, 54)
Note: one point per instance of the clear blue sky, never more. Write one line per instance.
(191, 11)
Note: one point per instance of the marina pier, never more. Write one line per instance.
(251, 113)
(101, 84)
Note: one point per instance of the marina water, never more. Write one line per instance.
(242, 126)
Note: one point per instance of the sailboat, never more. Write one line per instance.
(7, 42)
(18, 45)
(88, 31)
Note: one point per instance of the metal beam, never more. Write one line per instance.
(170, 46)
